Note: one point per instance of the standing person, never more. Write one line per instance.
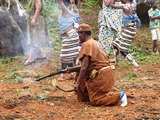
(38, 34)
(72, 9)
(154, 15)
(110, 21)
(69, 36)
(95, 80)
(130, 21)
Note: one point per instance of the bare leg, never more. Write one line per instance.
(34, 54)
(132, 60)
(155, 46)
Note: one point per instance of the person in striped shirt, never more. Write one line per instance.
(68, 20)
(130, 22)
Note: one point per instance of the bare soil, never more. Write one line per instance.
(41, 101)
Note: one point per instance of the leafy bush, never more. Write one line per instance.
(144, 57)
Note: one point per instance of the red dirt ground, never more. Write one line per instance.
(41, 101)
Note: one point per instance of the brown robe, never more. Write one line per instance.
(98, 91)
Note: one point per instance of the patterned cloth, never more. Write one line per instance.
(69, 35)
(129, 13)
(124, 41)
(108, 2)
(70, 47)
(65, 22)
(131, 19)
(154, 23)
(110, 22)
(129, 26)
(128, 8)
(130, 22)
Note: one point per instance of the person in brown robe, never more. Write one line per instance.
(95, 80)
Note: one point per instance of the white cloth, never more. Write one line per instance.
(155, 34)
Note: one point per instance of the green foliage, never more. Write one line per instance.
(6, 60)
(131, 76)
(91, 3)
(50, 8)
(51, 12)
(29, 6)
(124, 64)
(15, 77)
(144, 57)
(141, 56)
(9, 68)
(12, 78)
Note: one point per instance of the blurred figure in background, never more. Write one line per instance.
(130, 22)
(68, 22)
(109, 25)
(38, 39)
(154, 15)
(110, 22)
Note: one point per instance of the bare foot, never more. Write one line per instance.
(137, 69)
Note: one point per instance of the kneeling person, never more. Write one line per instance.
(96, 79)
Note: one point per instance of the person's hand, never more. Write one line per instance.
(33, 21)
(108, 2)
(76, 86)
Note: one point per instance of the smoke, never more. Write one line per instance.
(40, 40)
(37, 40)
